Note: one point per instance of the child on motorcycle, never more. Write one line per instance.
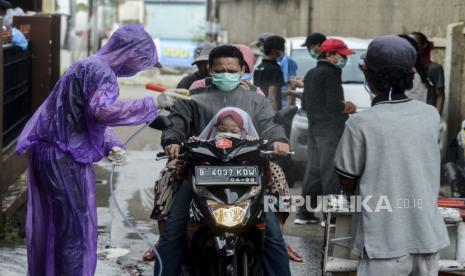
(228, 122)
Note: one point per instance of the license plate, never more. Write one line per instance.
(226, 175)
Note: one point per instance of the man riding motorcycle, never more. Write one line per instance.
(191, 117)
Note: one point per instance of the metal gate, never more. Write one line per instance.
(17, 91)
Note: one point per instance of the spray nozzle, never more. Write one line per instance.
(179, 93)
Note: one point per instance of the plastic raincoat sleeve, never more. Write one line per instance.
(111, 140)
(107, 110)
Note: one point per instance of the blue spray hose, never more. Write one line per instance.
(126, 219)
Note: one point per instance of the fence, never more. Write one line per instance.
(16, 91)
(26, 79)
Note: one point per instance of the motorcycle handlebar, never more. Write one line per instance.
(161, 158)
(162, 155)
(270, 152)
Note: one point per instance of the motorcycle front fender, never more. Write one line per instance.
(226, 246)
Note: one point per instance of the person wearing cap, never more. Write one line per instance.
(327, 112)
(201, 61)
(69, 132)
(434, 70)
(313, 45)
(260, 42)
(386, 155)
(259, 47)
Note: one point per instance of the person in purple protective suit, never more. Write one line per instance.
(69, 132)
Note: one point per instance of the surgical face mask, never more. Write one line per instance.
(341, 63)
(313, 53)
(281, 57)
(247, 76)
(226, 81)
(227, 134)
(368, 90)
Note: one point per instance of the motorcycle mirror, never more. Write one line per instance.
(161, 123)
(285, 115)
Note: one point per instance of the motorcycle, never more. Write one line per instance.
(227, 217)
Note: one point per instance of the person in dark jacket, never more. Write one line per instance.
(201, 61)
(327, 113)
(313, 44)
(191, 117)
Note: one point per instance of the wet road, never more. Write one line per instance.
(120, 249)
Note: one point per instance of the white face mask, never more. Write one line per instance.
(368, 90)
(227, 134)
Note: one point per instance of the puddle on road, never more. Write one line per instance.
(133, 184)
(13, 258)
(139, 210)
(102, 188)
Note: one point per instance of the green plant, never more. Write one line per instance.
(199, 35)
(82, 7)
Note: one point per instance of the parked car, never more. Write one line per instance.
(352, 79)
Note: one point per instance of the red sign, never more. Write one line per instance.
(224, 144)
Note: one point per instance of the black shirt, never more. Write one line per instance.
(267, 74)
(188, 80)
(436, 76)
(324, 99)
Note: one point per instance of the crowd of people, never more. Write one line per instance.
(390, 149)
(404, 78)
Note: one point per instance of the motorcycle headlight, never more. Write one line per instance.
(228, 215)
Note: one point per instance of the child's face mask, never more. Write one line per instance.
(228, 134)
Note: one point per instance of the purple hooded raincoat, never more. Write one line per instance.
(69, 132)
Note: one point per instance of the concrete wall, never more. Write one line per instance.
(244, 20)
(370, 18)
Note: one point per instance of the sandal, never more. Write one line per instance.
(149, 255)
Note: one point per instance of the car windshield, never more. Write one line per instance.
(350, 74)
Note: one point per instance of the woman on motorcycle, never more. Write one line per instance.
(228, 122)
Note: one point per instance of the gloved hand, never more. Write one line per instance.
(179, 93)
(117, 156)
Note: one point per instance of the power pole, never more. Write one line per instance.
(212, 21)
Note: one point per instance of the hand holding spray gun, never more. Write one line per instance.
(168, 97)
